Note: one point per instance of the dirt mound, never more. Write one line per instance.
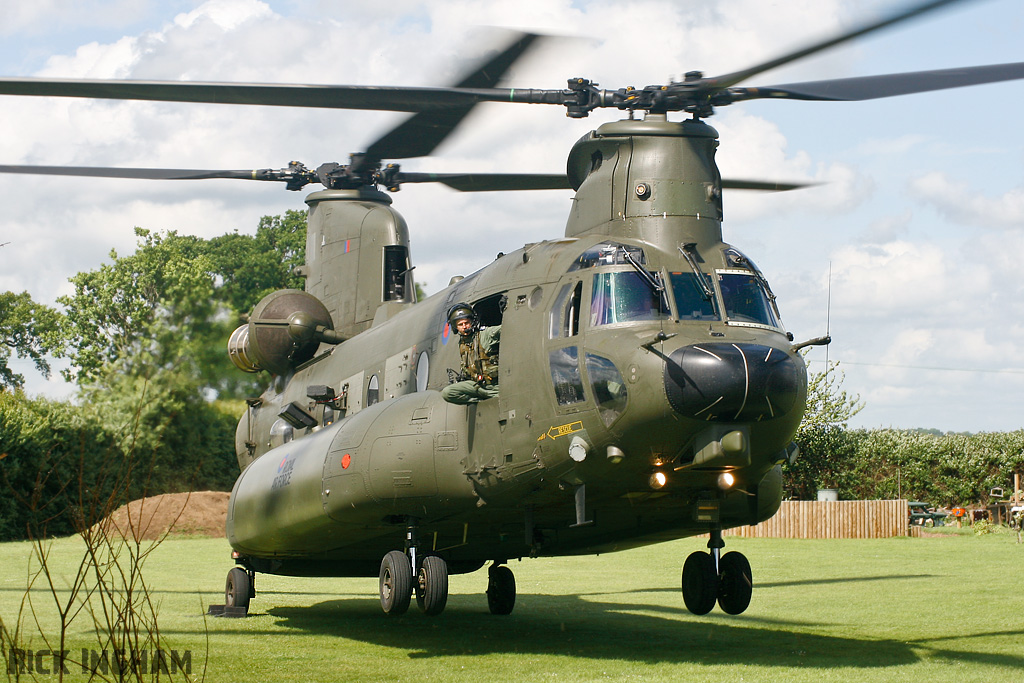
(201, 513)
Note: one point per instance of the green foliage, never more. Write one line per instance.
(186, 442)
(827, 404)
(163, 432)
(941, 469)
(949, 470)
(146, 336)
(173, 303)
(47, 447)
(30, 330)
(250, 267)
(827, 448)
(150, 309)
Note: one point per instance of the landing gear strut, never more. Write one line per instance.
(708, 577)
(402, 573)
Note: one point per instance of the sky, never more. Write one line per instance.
(905, 251)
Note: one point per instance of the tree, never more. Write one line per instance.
(250, 267)
(827, 448)
(827, 403)
(152, 309)
(173, 304)
(30, 330)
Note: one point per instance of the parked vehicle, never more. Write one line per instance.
(924, 515)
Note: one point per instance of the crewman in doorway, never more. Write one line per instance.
(478, 378)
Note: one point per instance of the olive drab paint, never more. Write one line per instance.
(471, 476)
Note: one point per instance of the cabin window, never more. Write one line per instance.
(565, 375)
(422, 371)
(746, 301)
(623, 297)
(372, 391)
(396, 270)
(692, 299)
(608, 386)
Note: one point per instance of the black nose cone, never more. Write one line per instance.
(732, 382)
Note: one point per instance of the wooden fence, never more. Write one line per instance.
(832, 519)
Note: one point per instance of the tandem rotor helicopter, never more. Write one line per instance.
(646, 387)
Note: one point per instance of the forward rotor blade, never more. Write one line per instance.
(409, 99)
(729, 80)
(886, 85)
(295, 176)
(422, 133)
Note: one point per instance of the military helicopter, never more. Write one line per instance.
(648, 390)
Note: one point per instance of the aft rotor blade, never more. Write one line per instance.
(422, 133)
(728, 80)
(886, 85)
(492, 182)
(762, 185)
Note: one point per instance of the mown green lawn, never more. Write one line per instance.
(943, 608)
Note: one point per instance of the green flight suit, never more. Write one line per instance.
(479, 365)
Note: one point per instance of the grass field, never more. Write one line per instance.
(939, 608)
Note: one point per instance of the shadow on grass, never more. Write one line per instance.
(570, 626)
(852, 579)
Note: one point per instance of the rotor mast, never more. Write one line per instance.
(661, 176)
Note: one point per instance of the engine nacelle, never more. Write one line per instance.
(284, 331)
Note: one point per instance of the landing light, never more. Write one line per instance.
(658, 480)
(726, 480)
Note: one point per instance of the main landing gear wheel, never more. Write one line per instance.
(735, 583)
(501, 590)
(432, 585)
(700, 583)
(238, 589)
(395, 583)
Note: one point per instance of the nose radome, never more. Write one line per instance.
(730, 382)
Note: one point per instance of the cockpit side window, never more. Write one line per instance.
(565, 375)
(564, 319)
(624, 296)
(746, 301)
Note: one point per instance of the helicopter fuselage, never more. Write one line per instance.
(647, 390)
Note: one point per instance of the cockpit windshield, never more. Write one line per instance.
(624, 296)
(746, 301)
(695, 301)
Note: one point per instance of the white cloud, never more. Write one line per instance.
(963, 204)
(898, 268)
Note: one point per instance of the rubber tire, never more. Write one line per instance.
(700, 583)
(735, 583)
(395, 583)
(501, 590)
(237, 589)
(432, 585)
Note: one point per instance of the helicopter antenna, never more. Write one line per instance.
(828, 311)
